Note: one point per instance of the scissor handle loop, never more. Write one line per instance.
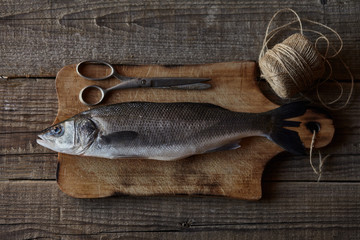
(97, 63)
(82, 100)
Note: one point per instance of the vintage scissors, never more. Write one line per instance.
(133, 82)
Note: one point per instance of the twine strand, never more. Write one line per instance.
(318, 171)
(269, 36)
(326, 104)
(295, 65)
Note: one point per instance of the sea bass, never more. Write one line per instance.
(168, 131)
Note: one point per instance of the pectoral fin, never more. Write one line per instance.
(228, 146)
(119, 137)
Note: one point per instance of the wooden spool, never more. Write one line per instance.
(234, 173)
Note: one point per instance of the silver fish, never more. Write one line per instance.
(168, 131)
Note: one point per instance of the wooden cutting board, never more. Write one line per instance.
(234, 173)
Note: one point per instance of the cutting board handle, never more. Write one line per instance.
(318, 120)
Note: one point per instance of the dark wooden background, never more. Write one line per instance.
(39, 37)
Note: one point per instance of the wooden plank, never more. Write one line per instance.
(28, 232)
(20, 143)
(26, 104)
(337, 168)
(284, 167)
(41, 37)
(38, 209)
(28, 166)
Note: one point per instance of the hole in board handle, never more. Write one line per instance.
(313, 126)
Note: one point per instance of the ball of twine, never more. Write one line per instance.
(292, 66)
(295, 65)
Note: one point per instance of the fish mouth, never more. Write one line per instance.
(41, 141)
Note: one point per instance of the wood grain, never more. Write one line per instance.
(47, 35)
(26, 104)
(40, 210)
(29, 166)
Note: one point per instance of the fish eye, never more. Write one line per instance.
(57, 131)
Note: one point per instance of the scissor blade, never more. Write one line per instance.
(171, 82)
(193, 86)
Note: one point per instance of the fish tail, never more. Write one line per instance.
(287, 139)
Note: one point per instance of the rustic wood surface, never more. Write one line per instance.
(40, 37)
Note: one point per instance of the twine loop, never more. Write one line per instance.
(296, 65)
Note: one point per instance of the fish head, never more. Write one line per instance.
(59, 137)
(72, 136)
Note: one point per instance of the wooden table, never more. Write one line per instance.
(39, 37)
